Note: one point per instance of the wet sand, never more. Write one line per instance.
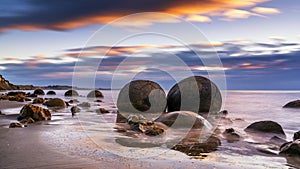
(5, 104)
(31, 148)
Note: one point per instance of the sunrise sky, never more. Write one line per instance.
(258, 41)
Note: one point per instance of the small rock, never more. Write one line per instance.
(296, 135)
(103, 111)
(31, 95)
(195, 149)
(231, 135)
(38, 101)
(74, 110)
(73, 101)
(15, 125)
(154, 131)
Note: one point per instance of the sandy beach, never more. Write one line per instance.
(56, 145)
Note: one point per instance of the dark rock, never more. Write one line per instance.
(70, 93)
(67, 104)
(39, 92)
(99, 101)
(16, 94)
(195, 149)
(95, 94)
(4, 97)
(84, 104)
(199, 93)
(38, 101)
(56, 103)
(74, 110)
(231, 135)
(35, 112)
(291, 148)
(73, 101)
(51, 92)
(181, 119)
(0, 112)
(141, 96)
(31, 95)
(15, 125)
(266, 127)
(154, 131)
(293, 104)
(102, 111)
(296, 135)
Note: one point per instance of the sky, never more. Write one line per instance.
(239, 45)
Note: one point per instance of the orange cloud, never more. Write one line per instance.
(98, 12)
(198, 18)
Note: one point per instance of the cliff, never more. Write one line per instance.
(6, 85)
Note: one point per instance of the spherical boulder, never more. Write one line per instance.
(266, 127)
(196, 94)
(293, 104)
(70, 93)
(141, 96)
(95, 94)
(56, 103)
(51, 92)
(35, 112)
(183, 119)
(39, 92)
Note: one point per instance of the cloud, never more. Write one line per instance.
(63, 15)
(266, 11)
(232, 14)
(198, 18)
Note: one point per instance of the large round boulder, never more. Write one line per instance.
(95, 94)
(196, 94)
(70, 93)
(293, 104)
(55, 103)
(265, 127)
(183, 119)
(35, 112)
(141, 96)
(51, 92)
(39, 92)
